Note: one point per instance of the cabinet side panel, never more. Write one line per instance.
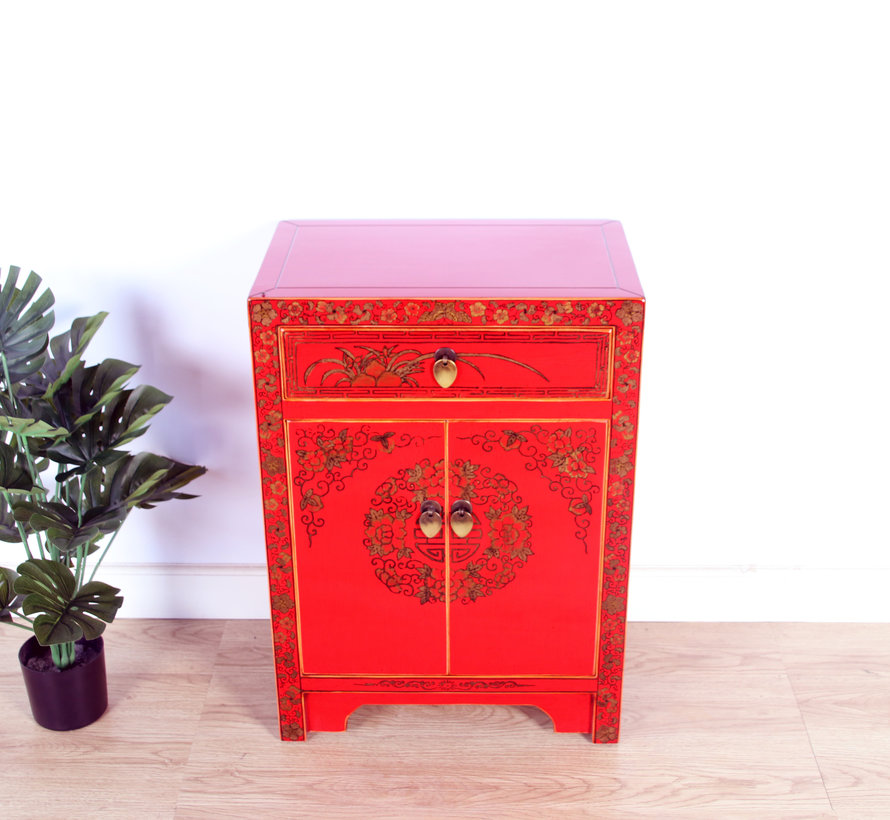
(264, 322)
(628, 319)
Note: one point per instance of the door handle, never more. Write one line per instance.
(430, 520)
(445, 366)
(461, 518)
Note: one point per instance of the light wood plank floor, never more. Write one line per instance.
(720, 721)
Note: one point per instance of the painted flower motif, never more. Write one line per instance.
(261, 355)
(388, 316)
(293, 310)
(271, 424)
(507, 529)
(595, 310)
(566, 456)
(629, 337)
(411, 309)
(613, 604)
(624, 426)
(477, 309)
(549, 317)
(614, 567)
(625, 383)
(621, 465)
(273, 465)
(449, 311)
(263, 313)
(630, 312)
(501, 316)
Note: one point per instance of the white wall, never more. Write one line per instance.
(147, 151)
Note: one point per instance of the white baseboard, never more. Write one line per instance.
(730, 593)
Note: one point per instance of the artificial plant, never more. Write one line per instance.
(67, 479)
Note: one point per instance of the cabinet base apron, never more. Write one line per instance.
(330, 711)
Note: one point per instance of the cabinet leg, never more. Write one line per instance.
(292, 713)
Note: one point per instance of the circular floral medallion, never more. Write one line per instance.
(410, 563)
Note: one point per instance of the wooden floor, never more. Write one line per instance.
(720, 720)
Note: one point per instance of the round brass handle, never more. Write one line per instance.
(430, 520)
(461, 518)
(445, 366)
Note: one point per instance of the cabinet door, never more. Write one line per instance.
(525, 581)
(364, 568)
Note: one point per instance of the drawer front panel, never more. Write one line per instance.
(495, 364)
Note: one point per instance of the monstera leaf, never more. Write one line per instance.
(66, 350)
(24, 327)
(9, 528)
(61, 360)
(14, 475)
(64, 612)
(88, 389)
(142, 480)
(102, 416)
(8, 599)
(64, 528)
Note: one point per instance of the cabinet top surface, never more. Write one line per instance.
(449, 259)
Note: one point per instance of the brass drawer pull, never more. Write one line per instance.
(430, 520)
(461, 518)
(445, 366)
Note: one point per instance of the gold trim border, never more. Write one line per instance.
(610, 331)
(445, 422)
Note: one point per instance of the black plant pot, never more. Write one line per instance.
(69, 698)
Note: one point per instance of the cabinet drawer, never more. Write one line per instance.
(398, 363)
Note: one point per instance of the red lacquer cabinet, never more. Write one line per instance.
(447, 416)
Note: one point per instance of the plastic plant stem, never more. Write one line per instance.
(105, 552)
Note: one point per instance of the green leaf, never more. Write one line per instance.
(9, 601)
(30, 427)
(64, 613)
(66, 350)
(64, 528)
(142, 480)
(99, 440)
(14, 475)
(24, 325)
(9, 530)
